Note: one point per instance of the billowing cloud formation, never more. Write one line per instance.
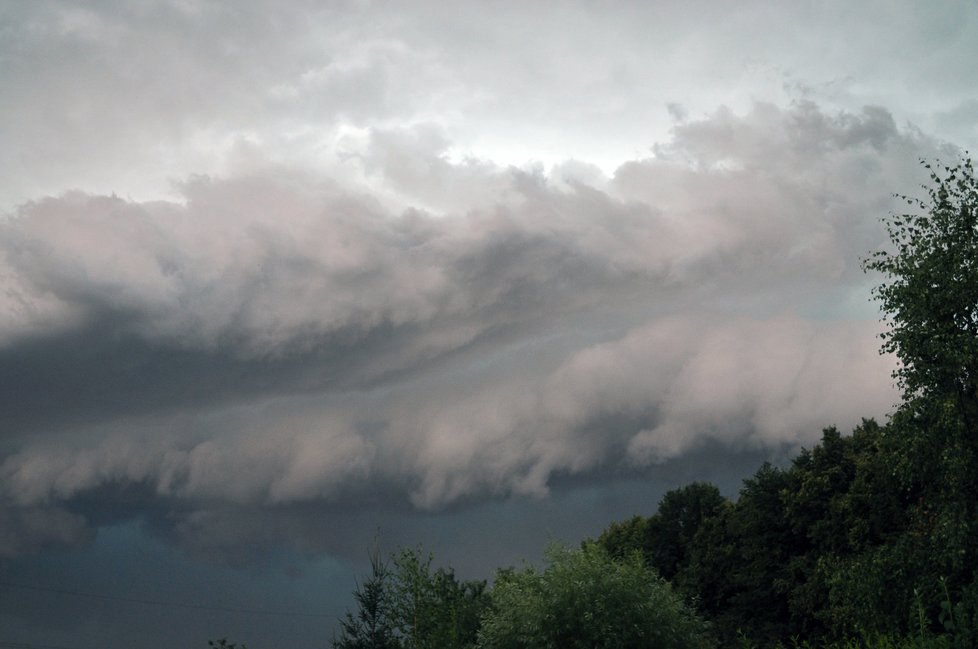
(449, 331)
(119, 96)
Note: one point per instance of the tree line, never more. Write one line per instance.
(868, 539)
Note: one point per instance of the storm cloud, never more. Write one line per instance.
(282, 282)
(467, 331)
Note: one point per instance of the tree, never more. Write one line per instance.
(620, 539)
(739, 562)
(372, 627)
(665, 538)
(930, 296)
(585, 599)
(406, 605)
(432, 609)
(930, 301)
(672, 529)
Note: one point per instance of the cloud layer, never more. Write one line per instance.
(453, 331)
(113, 96)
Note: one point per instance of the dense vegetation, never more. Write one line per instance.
(582, 598)
(865, 540)
(864, 536)
(404, 604)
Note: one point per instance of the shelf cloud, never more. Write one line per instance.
(282, 337)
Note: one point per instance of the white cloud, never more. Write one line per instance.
(117, 97)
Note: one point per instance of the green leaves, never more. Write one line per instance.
(432, 609)
(403, 604)
(586, 599)
(930, 290)
(665, 539)
(372, 627)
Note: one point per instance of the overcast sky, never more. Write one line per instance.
(279, 281)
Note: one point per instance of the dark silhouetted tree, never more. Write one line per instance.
(372, 627)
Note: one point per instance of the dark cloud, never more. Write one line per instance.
(451, 277)
(282, 559)
(25, 530)
(280, 339)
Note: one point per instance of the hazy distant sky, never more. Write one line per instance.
(279, 281)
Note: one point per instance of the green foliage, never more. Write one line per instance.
(666, 538)
(674, 526)
(586, 599)
(432, 609)
(930, 296)
(837, 544)
(842, 504)
(626, 538)
(406, 605)
(373, 626)
(739, 568)
(874, 642)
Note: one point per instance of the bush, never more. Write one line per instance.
(586, 599)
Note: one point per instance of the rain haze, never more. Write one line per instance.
(284, 282)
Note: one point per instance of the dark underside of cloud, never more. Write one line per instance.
(279, 341)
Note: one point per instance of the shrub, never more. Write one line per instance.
(586, 599)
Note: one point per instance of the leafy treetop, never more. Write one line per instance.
(930, 296)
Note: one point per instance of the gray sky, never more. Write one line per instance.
(276, 282)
